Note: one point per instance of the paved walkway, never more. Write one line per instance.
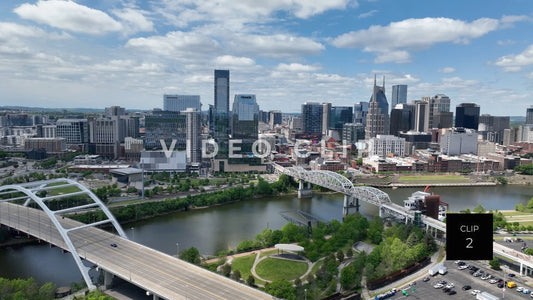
(258, 260)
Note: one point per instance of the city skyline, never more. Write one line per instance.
(129, 53)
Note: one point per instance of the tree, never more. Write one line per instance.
(529, 251)
(281, 289)
(225, 270)
(340, 255)
(191, 255)
(479, 209)
(349, 253)
(375, 230)
(250, 280)
(236, 275)
(495, 264)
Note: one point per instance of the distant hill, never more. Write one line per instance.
(47, 109)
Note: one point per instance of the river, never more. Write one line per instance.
(222, 227)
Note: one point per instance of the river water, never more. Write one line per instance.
(222, 227)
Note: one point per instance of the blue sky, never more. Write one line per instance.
(97, 53)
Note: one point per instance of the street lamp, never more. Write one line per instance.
(178, 248)
(504, 281)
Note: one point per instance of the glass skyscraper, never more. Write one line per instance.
(340, 115)
(312, 117)
(221, 112)
(467, 115)
(399, 94)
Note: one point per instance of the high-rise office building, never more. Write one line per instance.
(106, 134)
(245, 122)
(75, 131)
(326, 114)
(360, 110)
(379, 95)
(492, 127)
(529, 115)
(193, 145)
(439, 111)
(181, 102)
(467, 115)
(275, 118)
(402, 118)
(421, 116)
(377, 119)
(352, 132)
(340, 115)
(312, 117)
(166, 126)
(399, 94)
(221, 112)
(115, 111)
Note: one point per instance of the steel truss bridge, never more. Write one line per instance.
(353, 194)
(31, 208)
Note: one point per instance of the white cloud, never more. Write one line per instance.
(68, 15)
(295, 67)
(175, 44)
(276, 45)
(183, 12)
(506, 42)
(398, 56)
(413, 34)
(515, 62)
(228, 61)
(509, 20)
(134, 20)
(447, 70)
(368, 14)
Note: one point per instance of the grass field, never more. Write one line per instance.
(267, 253)
(279, 269)
(433, 179)
(63, 190)
(317, 266)
(506, 213)
(244, 265)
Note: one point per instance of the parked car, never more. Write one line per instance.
(466, 287)
(452, 292)
(475, 292)
(426, 279)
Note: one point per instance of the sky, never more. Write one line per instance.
(98, 53)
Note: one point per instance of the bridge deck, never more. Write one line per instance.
(159, 273)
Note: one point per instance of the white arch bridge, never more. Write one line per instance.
(161, 275)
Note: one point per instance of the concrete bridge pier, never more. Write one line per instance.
(349, 202)
(108, 279)
(304, 189)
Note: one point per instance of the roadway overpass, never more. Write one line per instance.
(161, 275)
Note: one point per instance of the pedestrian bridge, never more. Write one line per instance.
(32, 208)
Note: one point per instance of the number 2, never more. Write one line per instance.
(469, 245)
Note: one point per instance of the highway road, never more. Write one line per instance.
(156, 272)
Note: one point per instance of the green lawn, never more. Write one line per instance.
(279, 269)
(244, 265)
(433, 179)
(63, 190)
(515, 213)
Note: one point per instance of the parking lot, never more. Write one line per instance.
(460, 278)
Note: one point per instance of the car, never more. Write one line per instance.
(462, 267)
(450, 285)
(500, 285)
(438, 286)
(466, 287)
(462, 263)
(446, 289)
(426, 279)
(511, 284)
(113, 245)
(493, 281)
(443, 282)
(531, 295)
(526, 291)
(457, 262)
(511, 275)
(452, 292)
(475, 292)
(519, 289)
